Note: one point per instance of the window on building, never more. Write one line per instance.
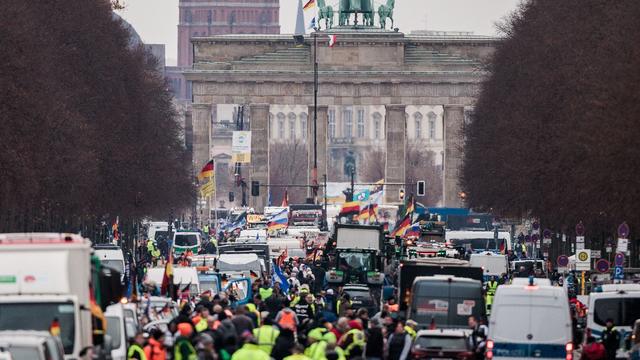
(348, 123)
(292, 126)
(210, 17)
(377, 125)
(303, 125)
(432, 125)
(360, 123)
(281, 125)
(332, 123)
(417, 118)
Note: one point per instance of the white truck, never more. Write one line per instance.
(45, 285)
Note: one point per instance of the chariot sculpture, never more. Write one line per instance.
(347, 8)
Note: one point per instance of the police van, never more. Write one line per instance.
(530, 321)
(618, 302)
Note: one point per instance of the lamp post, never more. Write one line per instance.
(314, 172)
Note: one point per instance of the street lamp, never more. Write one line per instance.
(314, 172)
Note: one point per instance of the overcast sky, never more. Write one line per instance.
(156, 20)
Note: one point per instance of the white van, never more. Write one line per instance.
(618, 302)
(530, 322)
(478, 240)
(492, 264)
(186, 240)
(182, 276)
(157, 227)
(111, 256)
(117, 331)
(237, 265)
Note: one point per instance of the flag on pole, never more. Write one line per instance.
(411, 206)
(167, 277)
(402, 227)
(207, 189)
(350, 208)
(414, 230)
(309, 5)
(115, 228)
(279, 220)
(313, 24)
(332, 40)
(285, 199)
(207, 170)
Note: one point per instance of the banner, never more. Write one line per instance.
(208, 189)
(241, 147)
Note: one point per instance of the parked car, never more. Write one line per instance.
(441, 344)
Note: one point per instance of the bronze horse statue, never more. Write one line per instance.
(347, 7)
(386, 11)
(325, 12)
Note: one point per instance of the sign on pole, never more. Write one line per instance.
(619, 259)
(623, 245)
(579, 243)
(602, 265)
(241, 147)
(583, 260)
(563, 263)
(618, 273)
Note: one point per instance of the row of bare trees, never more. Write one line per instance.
(288, 165)
(87, 128)
(555, 131)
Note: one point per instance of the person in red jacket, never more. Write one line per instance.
(593, 350)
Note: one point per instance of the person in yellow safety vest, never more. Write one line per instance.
(251, 308)
(265, 292)
(524, 250)
(343, 303)
(317, 344)
(136, 350)
(266, 335)
(332, 347)
(183, 349)
(353, 342)
(410, 328)
(250, 351)
(297, 353)
(492, 286)
(304, 291)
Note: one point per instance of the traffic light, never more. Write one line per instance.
(421, 188)
(231, 196)
(401, 194)
(255, 188)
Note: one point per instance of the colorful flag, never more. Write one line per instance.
(115, 228)
(167, 278)
(207, 170)
(368, 212)
(350, 208)
(278, 277)
(309, 5)
(279, 220)
(411, 206)
(402, 227)
(414, 231)
(208, 189)
(312, 23)
(332, 40)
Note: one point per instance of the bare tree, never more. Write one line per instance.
(420, 165)
(288, 165)
(555, 129)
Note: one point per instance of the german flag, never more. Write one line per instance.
(207, 170)
(411, 206)
(309, 5)
(402, 227)
(167, 278)
(253, 275)
(350, 208)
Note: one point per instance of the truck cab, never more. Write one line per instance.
(357, 255)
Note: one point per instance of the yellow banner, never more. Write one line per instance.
(254, 218)
(208, 189)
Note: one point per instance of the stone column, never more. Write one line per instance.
(321, 139)
(259, 169)
(201, 123)
(395, 134)
(453, 143)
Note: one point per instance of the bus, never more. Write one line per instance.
(476, 241)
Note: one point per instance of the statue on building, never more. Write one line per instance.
(349, 164)
(348, 7)
(386, 11)
(325, 12)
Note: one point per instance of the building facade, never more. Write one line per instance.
(377, 90)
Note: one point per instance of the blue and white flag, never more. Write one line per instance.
(312, 24)
(278, 277)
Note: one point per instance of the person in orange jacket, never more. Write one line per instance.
(155, 349)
